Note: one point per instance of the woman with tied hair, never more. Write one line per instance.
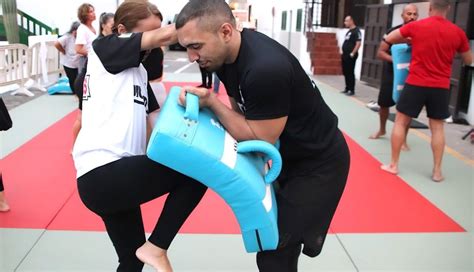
(114, 175)
(69, 58)
(106, 23)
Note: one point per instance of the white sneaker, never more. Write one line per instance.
(373, 106)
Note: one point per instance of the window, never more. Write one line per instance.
(283, 20)
(299, 19)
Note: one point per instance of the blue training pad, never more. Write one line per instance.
(61, 87)
(401, 57)
(193, 142)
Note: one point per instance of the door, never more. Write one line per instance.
(377, 21)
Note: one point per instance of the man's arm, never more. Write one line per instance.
(356, 48)
(396, 37)
(233, 120)
(81, 49)
(383, 51)
(163, 36)
(467, 57)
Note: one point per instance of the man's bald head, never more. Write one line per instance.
(409, 13)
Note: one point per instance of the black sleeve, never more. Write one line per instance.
(267, 88)
(153, 63)
(118, 53)
(152, 102)
(358, 34)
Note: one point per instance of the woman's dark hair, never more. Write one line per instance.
(74, 26)
(104, 17)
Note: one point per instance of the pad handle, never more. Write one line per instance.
(192, 107)
(271, 153)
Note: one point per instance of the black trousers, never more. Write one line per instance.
(71, 74)
(206, 77)
(1, 183)
(115, 192)
(307, 192)
(348, 65)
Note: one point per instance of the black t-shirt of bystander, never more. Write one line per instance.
(352, 36)
(268, 82)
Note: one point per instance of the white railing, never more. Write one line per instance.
(15, 66)
(20, 64)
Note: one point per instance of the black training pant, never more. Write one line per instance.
(307, 192)
(71, 74)
(1, 183)
(115, 192)
(348, 66)
(206, 77)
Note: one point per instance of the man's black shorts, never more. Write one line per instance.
(413, 98)
(385, 99)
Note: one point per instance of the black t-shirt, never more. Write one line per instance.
(352, 36)
(118, 53)
(268, 82)
(387, 76)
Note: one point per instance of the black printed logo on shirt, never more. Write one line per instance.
(138, 97)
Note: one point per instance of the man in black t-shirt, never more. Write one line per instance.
(350, 48)
(385, 100)
(272, 98)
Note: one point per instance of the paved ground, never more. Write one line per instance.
(27, 249)
(365, 94)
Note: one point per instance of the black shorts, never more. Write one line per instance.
(385, 99)
(413, 98)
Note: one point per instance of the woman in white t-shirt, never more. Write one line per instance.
(69, 58)
(114, 175)
(86, 33)
(84, 38)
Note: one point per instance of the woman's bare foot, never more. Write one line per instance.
(3, 203)
(154, 256)
(377, 135)
(392, 169)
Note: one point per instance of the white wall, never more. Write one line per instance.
(423, 9)
(270, 25)
(61, 13)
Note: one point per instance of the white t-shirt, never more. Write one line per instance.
(71, 58)
(115, 104)
(85, 36)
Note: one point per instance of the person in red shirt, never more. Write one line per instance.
(435, 41)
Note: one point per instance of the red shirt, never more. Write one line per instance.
(435, 41)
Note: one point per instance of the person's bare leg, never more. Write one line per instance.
(398, 138)
(437, 145)
(76, 127)
(383, 116)
(405, 146)
(154, 256)
(4, 207)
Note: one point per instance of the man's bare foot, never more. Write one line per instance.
(154, 256)
(437, 176)
(392, 169)
(3, 203)
(405, 147)
(377, 135)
